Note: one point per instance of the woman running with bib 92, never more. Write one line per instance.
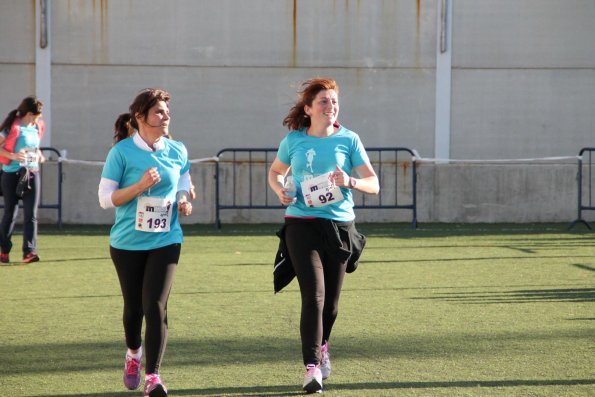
(146, 178)
(324, 158)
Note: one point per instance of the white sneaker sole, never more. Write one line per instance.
(313, 387)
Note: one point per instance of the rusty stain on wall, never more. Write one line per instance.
(418, 10)
(417, 35)
(294, 48)
(104, 31)
(405, 165)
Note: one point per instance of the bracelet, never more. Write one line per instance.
(182, 194)
(352, 182)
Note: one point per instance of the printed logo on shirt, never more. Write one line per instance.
(310, 159)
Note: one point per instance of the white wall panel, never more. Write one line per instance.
(16, 81)
(213, 108)
(17, 31)
(520, 113)
(270, 33)
(524, 34)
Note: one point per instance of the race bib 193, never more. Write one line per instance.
(153, 214)
(321, 191)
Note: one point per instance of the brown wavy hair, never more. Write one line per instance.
(126, 122)
(297, 118)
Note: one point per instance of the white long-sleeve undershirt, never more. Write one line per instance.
(108, 186)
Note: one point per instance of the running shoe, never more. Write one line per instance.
(312, 379)
(4, 258)
(132, 374)
(30, 257)
(154, 387)
(325, 363)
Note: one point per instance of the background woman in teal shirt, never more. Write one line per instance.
(146, 178)
(20, 136)
(327, 162)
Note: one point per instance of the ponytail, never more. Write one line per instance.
(7, 123)
(122, 127)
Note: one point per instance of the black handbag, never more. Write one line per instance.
(24, 183)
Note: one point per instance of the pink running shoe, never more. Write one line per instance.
(312, 379)
(154, 387)
(325, 362)
(30, 258)
(132, 373)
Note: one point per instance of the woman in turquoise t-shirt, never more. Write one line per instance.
(20, 137)
(324, 158)
(146, 178)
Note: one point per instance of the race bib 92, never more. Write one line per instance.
(321, 191)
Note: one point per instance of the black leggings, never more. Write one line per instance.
(320, 276)
(11, 209)
(146, 278)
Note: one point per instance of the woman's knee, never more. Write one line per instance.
(155, 311)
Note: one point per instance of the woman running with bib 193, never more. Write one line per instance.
(146, 178)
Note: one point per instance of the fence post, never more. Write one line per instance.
(580, 206)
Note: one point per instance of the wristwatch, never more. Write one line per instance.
(352, 182)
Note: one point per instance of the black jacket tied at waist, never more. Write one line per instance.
(334, 233)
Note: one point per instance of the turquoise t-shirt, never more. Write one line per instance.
(311, 156)
(28, 139)
(125, 164)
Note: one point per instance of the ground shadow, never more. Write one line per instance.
(584, 267)
(292, 390)
(97, 356)
(518, 296)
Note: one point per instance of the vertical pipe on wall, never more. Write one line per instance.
(443, 80)
(43, 64)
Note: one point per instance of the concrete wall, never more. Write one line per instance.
(523, 84)
(523, 78)
(523, 72)
(233, 68)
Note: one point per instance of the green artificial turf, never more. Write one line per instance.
(445, 310)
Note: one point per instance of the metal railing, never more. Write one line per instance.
(54, 204)
(241, 176)
(586, 185)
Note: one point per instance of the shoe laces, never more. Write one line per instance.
(310, 369)
(326, 356)
(153, 378)
(132, 365)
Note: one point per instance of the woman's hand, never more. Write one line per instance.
(184, 207)
(124, 195)
(340, 177)
(20, 156)
(276, 177)
(283, 198)
(150, 178)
